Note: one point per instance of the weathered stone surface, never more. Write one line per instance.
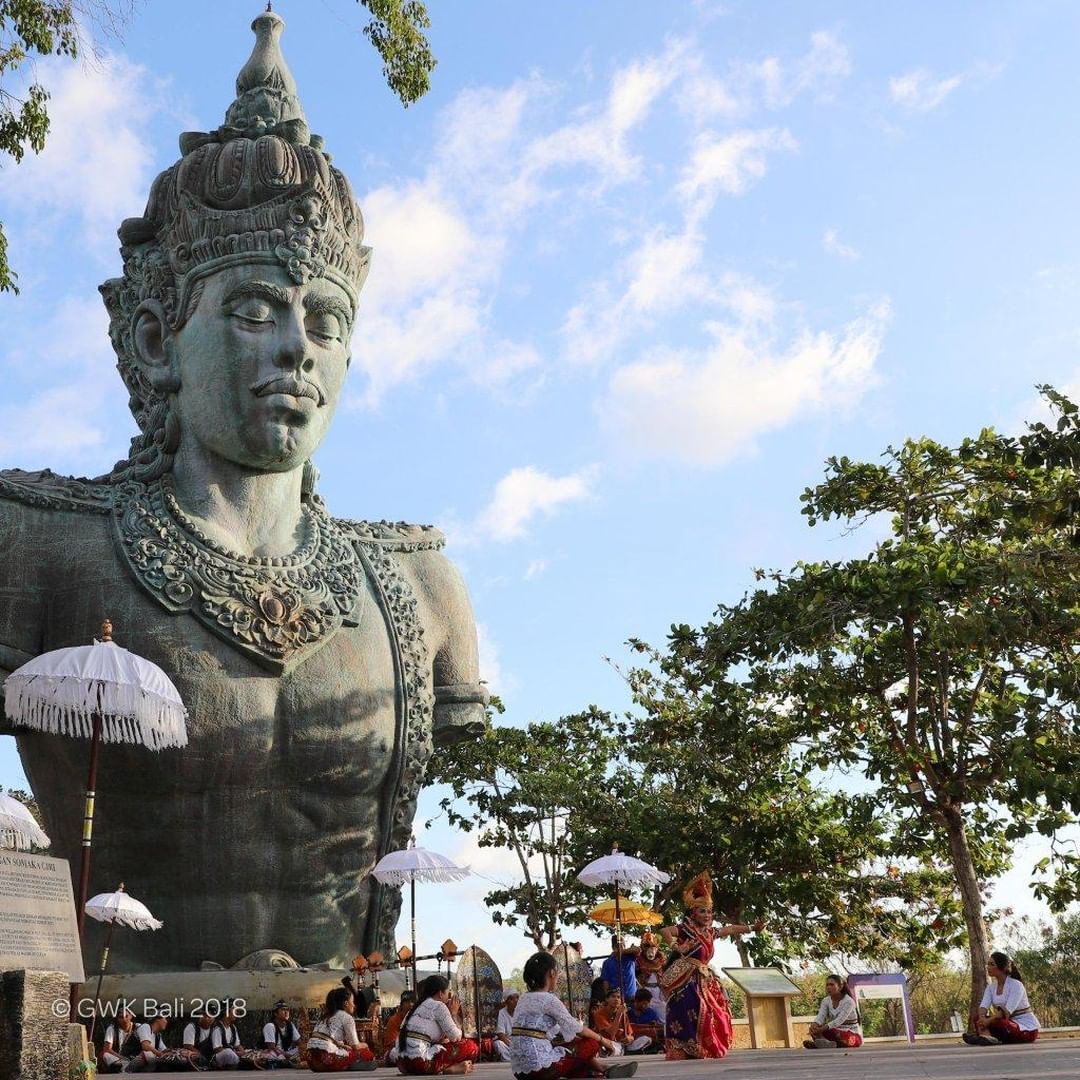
(321, 660)
(33, 1038)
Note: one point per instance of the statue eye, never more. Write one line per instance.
(325, 327)
(253, 312)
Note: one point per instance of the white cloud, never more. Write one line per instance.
(833, 245)
(526, 493)
(97, 161)
(772, 81)
(535, 568)
(70, 355)
(705, 408)
(730, 163)
(921, 91)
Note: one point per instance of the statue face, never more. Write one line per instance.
(261, 362)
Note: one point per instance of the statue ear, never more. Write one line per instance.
(152, 338)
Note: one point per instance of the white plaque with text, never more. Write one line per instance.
(38, 929)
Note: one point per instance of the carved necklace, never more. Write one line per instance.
(278, 610)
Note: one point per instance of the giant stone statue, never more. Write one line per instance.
(320, 659)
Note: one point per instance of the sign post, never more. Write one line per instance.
(891, 986)
(768, 992)
(38, 927)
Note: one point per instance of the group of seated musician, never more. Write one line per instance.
(207, 1041)
(609, 1016)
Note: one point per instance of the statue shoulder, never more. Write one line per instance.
(398, 536)
(45, 490)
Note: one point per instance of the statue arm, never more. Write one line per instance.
(460, 697)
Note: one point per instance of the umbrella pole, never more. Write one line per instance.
(618, 949)
(87, 841)
(101, 975)
(412, 908)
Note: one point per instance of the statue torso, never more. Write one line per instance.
(302, 703)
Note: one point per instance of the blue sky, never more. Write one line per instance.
(639, 269)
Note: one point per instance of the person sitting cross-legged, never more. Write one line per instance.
(1005, 1014)
(533, 1055)
(334, 1045)
(837, 1022)
(281, 1038)
(121, 1043)
(645, 1022)
(504, 1025)
(430, 1041)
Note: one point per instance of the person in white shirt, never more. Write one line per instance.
(198, 1039)
(430, 1042)
(837, 1022)
(334, 1045)
(121, 1043)
(1005, 1014)
(504, 1024)
(281, 1037)
(533, 1056)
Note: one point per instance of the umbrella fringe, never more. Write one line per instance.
(129, 714)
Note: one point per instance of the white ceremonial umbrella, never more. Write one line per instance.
(115, 908)
(618, 870)
(101, 692)
(18, 829)
(411, 865)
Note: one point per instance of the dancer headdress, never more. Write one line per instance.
(698, 893)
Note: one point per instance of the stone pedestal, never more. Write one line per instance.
(33, 1026)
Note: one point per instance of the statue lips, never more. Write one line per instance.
(292, 390)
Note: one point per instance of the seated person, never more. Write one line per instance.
(281, 1037)
(121, 1043)
(1005, 1014)
(533, 1054)
(393, 1027)
(197, 1039)
(334, 1045)
(837, 1022)
(430, 1041)
(645, 1021)
(504, 1025)
(607, 1014)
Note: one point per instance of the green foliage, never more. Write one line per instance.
(941, 665)
(397, 30)
(1048, 956)
(827, 870)
(27, 27)
(522, 789)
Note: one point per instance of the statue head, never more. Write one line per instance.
(232, 320)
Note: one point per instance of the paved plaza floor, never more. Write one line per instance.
(1055, 1059)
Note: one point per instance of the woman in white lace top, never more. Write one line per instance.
(430, 1040)
(533, 1056)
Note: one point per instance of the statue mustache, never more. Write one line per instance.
(289, 384)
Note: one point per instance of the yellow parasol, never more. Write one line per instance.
(628, 912)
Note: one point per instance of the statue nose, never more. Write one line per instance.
(294, 349)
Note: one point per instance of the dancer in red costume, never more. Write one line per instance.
(698, 1021)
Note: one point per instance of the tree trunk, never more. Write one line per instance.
(971, 902)
(744, 952)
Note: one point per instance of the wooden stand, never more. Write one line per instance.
(770, 1021)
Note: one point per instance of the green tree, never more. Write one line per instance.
(942, 664)
(521, 789)
(704, 780)
(28, 27)
(397, 30)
